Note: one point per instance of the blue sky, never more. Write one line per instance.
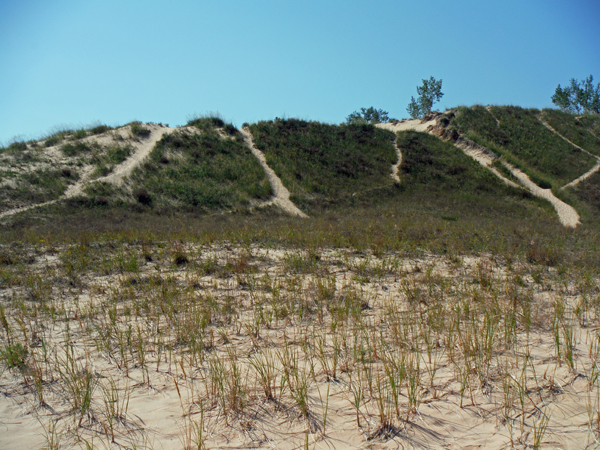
(67, 62)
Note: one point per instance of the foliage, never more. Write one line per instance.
(36, 186)
(77, 148)
(580, 96)
(434, 165)
(210, 121)
(429, 93)
(575, 128)
(200, 170)
(64, 133)
(138, 130)
(523, 141)
(368, 115)
(106, 162)
(319, 160)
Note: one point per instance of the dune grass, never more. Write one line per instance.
(37, 186)
(524, 142)
(106, 160)
(428, 163)
(316, 161)
(245, 332)
(446, 290)
(201, 170)
(574, 128)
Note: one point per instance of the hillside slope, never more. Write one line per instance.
(210, 167)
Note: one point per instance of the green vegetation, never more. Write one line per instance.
(14, 356)
(138, 130)
(588, 192)
(579, 97)
(431, 164)
(105, 162)
(592, 123)
(429, 93)
(78, 148)
(574, 129)
(201, 170)
(367, 115)
(37, 187)
(68, 133)
(17, 146)
(433, 292)
(524, 142)
(319, 161)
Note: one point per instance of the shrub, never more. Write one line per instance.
(429, 93)
(138, 130)
(100, 129)
(368, 115)
(77, 148)
(143, 197)
(18, 146)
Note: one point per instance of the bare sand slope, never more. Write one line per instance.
(590, 172)
(281, 196)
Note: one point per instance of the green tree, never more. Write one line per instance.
(429, 93)
(580, 96)
(368, 115)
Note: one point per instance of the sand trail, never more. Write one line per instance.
(586, 175)
(117, 177)
(408, 124)
(281, 196)
(143, 149)
(489, 109)
(481, 154)
(396, 166)
(567, 215)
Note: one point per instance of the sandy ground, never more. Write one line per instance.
(396, 166)
(567, 215)
(281, 195)
(163, 402)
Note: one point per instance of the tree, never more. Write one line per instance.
(368, 115)
(578, 97)
(429, 93)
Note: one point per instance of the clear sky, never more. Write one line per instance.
(68, 62)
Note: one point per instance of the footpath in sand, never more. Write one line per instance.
(142, 148)
(281, 196)
(567, 215)
(586, 175)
